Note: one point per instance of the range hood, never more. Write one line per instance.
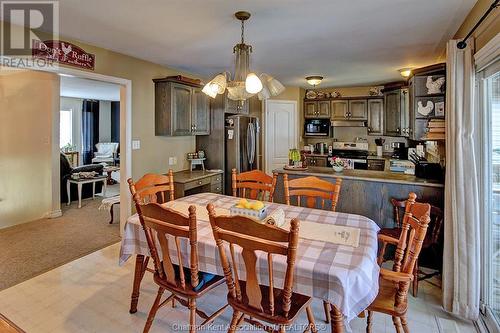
(348, 123)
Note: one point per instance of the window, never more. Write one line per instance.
(66, 128)
(489, 97)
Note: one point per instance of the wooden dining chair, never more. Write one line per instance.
(392, 298)
(255, 185)
(431, 252)
(311, 189)
(149, 188)
(246, 296)
(163, 225)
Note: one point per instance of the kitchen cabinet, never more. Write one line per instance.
(357, 109)
(375, 116)
(201, 112)
(181, 109)
(340, 109)
(352, 109)
(396, 113)
(317, 109)
(316, 161)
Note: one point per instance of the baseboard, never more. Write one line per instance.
(53, 214)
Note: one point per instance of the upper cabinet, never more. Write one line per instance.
(427, 99)
(181, 109)
(375, 116)
(340, 109)
(358, 109)
(349, 109)
(317, 109)
(396, 113)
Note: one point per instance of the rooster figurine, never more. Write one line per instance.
(429, 106)
(434, 87)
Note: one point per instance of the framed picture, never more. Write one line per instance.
(439, 109)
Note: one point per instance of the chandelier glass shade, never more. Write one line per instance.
(244, 84)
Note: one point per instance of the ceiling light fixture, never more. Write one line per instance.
(314, 80)
(244, 84)
(405, 72)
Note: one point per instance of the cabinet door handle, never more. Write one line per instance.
(398, 130)
(200, 182)
(369, 129)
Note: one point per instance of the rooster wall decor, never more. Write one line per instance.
(429, 106)
(434, 87)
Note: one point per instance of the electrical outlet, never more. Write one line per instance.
(172, 160)
(386, 146)
(136, 144)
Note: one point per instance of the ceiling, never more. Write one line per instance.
(348, 42)
(90, 89)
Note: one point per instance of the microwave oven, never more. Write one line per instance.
(317, 127)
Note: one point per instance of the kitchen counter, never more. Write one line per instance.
(367, 175)
(369, 193)
(186, 176)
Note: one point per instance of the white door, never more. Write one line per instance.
(281, 128)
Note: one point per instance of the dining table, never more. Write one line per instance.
(336, 256)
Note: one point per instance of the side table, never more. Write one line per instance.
(80, 182)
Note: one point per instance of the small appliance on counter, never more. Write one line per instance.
(321, 148)
(425, 169)
(354, 154)
(400, 151)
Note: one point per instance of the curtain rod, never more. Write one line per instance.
(463, 44)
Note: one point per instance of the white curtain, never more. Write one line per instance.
(461, 267)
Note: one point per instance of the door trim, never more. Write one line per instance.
(125, 135)
(265, 123)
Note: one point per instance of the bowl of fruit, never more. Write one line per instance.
(250, 208)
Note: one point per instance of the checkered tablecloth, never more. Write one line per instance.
(344, 275)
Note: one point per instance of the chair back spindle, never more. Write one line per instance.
(310, 190)
(255, 185)
(250, 236)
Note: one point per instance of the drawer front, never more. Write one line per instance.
(197, 183)
(216, 179)
(216, 188)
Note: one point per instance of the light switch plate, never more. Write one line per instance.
(172, 160)
(136, 144)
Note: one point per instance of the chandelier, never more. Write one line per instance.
(244, 84)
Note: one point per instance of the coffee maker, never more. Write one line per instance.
(400, 151)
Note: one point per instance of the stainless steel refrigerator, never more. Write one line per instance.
(242, 145)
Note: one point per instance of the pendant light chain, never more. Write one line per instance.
(242, 32)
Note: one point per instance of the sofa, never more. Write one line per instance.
(106, 152)
(67, 171)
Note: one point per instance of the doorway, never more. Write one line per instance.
(281, 132)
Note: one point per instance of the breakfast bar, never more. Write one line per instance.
(368, 193)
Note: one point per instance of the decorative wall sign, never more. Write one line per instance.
(63, 52)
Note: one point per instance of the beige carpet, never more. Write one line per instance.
(36, 247)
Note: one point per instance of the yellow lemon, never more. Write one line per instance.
(258, 205)
(243, 202)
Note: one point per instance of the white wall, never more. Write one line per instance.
(29, 143)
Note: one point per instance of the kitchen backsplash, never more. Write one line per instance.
(350, 133)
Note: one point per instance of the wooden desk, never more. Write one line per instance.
(198, 181)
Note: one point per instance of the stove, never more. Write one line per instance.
(354, 154)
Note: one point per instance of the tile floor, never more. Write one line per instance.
(92, 294)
